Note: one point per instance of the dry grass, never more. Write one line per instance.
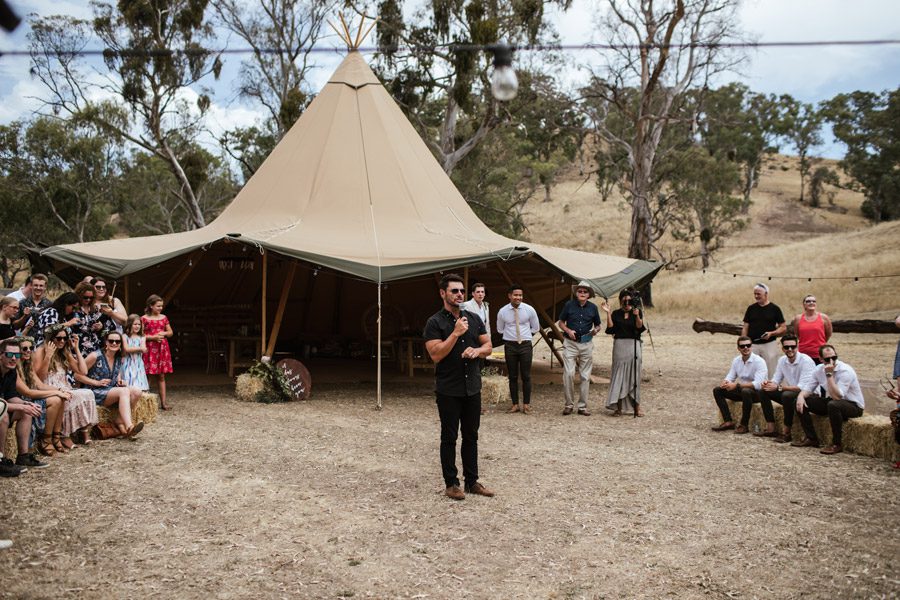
(247, 387)
(783, 239)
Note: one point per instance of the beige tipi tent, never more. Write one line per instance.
(350, 197)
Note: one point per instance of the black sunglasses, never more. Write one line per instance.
(830, 358)
(456, 290)
(113, 341)
(745, 345)
(60, 338)
(791, 347)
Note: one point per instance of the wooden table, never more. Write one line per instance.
(411, 355)
(235, 342)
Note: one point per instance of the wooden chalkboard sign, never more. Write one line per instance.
(297, 376)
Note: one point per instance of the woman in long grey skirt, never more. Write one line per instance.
(626, 325)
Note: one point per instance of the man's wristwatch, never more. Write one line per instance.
(829, 374)
(780, 388)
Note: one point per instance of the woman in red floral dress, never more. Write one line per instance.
(157, 358)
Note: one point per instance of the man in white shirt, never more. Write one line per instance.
(793, 373)
(517, 322)
(742, 383)
(23, 292)
(478, 305)
(834, 391)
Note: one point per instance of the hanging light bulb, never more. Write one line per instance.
(504, 83)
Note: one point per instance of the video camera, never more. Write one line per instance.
(636, 301)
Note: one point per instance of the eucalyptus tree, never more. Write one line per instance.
(155, 58)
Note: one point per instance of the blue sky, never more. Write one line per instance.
(808, 74)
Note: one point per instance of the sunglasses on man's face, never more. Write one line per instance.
(791, 347)
(13, 354)
(828, 359)
(744, 346)
(456, 291)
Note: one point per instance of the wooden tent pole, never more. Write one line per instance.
(265, 266)
(279, 313)
(554, 306)
(174, 284)
(466, 282)
(378, 395)
(540, 310)
(125, 296)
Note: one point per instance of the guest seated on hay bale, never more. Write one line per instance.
(104, 378)
(45, 429)
(56, 363)
(833, 391)
(742, 383)
(18, 411)
(793, 373)
(62, 311)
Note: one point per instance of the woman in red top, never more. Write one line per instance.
(812, 328)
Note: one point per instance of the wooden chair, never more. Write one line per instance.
(215, 351)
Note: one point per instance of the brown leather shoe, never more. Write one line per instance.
(806, 443)
(480, 490)
(784, 438)
(723, 427)
(453, 492)
(741, 429)
(770, 434)
(585, 412)
(513, 409)
(526, 409)
(833, 449)
(567, 410)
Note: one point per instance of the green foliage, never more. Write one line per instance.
(702, 205)
(57, 179)
(821, 177)
(869, 125)
(803, 128)
(276, 388)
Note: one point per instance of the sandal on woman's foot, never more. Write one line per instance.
(58, 443)
(86, 436)
(135, 429)
(45, 445)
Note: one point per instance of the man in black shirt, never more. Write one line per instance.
(456, 340)
(763, 323)
(18, 411)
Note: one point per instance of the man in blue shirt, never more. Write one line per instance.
(579, 321)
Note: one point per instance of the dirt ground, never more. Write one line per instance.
(332, 499)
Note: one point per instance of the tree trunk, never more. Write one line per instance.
(750, 175)
(547, 192)
(704, 253)
(843, 326)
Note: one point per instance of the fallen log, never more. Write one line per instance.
(843, 326)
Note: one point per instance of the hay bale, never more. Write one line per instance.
(10, 447)
(868, 435)
(495, 389)
(871, 435)
(247, 387)
(145, 410)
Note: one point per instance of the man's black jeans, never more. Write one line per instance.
(838, 411)
(459, 413)
(746, 395)
(788, 400)
(518, 362)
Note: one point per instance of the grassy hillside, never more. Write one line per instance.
(784, 240)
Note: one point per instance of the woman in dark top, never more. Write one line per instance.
(626, 325)
(62, 311)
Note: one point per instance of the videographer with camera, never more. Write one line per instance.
(625, 325)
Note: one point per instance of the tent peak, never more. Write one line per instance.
(353, 42)
(354, 71)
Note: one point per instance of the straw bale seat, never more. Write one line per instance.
(495, 390)
(145, 410)
(868, 435)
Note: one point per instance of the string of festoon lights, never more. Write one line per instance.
(708, 271)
